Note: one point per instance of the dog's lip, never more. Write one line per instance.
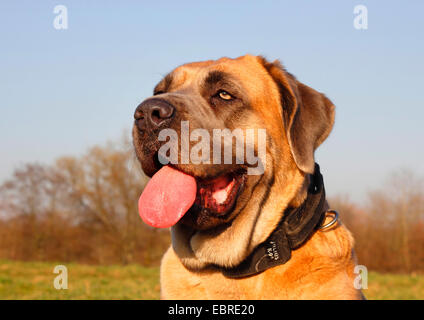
(205, 186)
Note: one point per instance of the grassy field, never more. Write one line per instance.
(34, 280)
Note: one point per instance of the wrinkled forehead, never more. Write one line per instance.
(245, 71)
(246, 75)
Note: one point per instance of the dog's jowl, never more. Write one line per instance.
(229, 146)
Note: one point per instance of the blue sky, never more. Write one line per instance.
(65, 90)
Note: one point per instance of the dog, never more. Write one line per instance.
(266, 236)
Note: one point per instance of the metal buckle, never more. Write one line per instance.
(335, 215)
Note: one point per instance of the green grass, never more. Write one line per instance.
(34, 280)
(395, 287)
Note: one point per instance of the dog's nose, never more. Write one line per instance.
(152, 113)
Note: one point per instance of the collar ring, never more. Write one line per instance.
(335, 216)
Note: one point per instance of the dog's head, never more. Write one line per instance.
(237, 95)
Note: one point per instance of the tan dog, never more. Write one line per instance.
(247, 92)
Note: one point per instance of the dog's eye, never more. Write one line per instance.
(158, 92)
(224, 95)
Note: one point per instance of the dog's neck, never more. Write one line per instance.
(301, 196)
(296, 226)
(199, 250)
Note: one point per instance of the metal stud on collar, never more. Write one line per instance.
(335, 216)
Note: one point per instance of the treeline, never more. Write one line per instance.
(389, 227)
(81, 209)
(84, 209)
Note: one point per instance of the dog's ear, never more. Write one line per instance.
(307, 114)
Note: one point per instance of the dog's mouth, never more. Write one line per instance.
(173, 195)
(219, 194)
(215, 200)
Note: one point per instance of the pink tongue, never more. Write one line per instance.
(167, 197)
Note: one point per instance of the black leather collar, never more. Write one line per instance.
(295, 228)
